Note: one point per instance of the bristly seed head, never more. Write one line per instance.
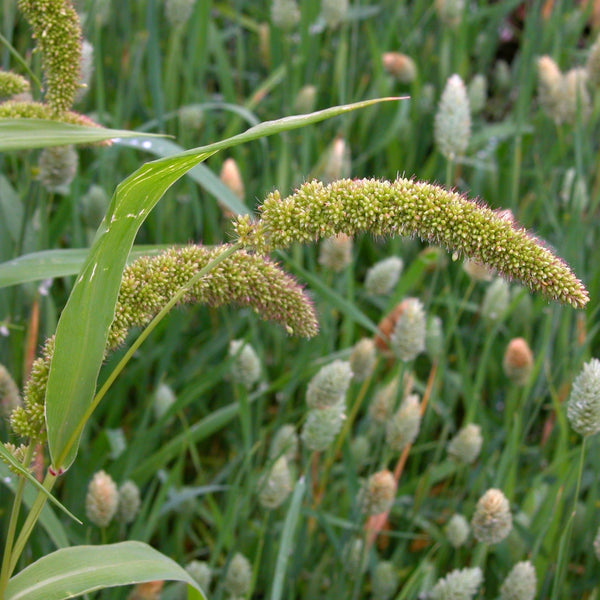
(238, 576)
(150, 282)
(492, 520)
(245, 365)
(465, 446)
(102, 499)
(363, 359)
(412, 208)
(460, 584)
(57, 32)
(9, 393)
(12, 84)
(328, 387)
(452, 124)
(520, 584)
(407, 340)
(583, 408)
(457, 530)
(378, 493)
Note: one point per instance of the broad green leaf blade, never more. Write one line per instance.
(48, 520)
(72, 572)
(84, 324)
(50, 264)
(286, 547)
(8, 458)
(200, 174)
(26, 134)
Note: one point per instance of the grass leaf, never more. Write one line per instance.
(83, 328)
(26, 134)
(8, 458)
(48, 519)
(50, 264)
(287, 538)
(72, 572)
(202, 175)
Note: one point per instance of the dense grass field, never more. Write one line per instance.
(195, 421)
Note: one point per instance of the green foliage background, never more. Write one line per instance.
(198, 465)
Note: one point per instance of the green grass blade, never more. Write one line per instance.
(25, 134)
(84, 324)
(72, 572)
(50, 264)
(196, 433)
(240, 111)
(202, 175)
(8, 458)
(48, 520)
(286, 124)
(330, 296)
(11, 209)
(287, 538)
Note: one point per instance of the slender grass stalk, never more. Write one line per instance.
(262, 534)
(506, 475)
(480, 555)
(12, 524)
(483, 365)
(191, 447)
(450, 170)
(174, 52)
(30, 521)
(516, 171)
(445, 56)
(376, 523)
(241, 395)
(287, 538)
(99, 95)
(154, 58)
(21, 61)
(346, 428)
(360, 574)
(565, 538)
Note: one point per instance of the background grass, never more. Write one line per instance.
(198, 479)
